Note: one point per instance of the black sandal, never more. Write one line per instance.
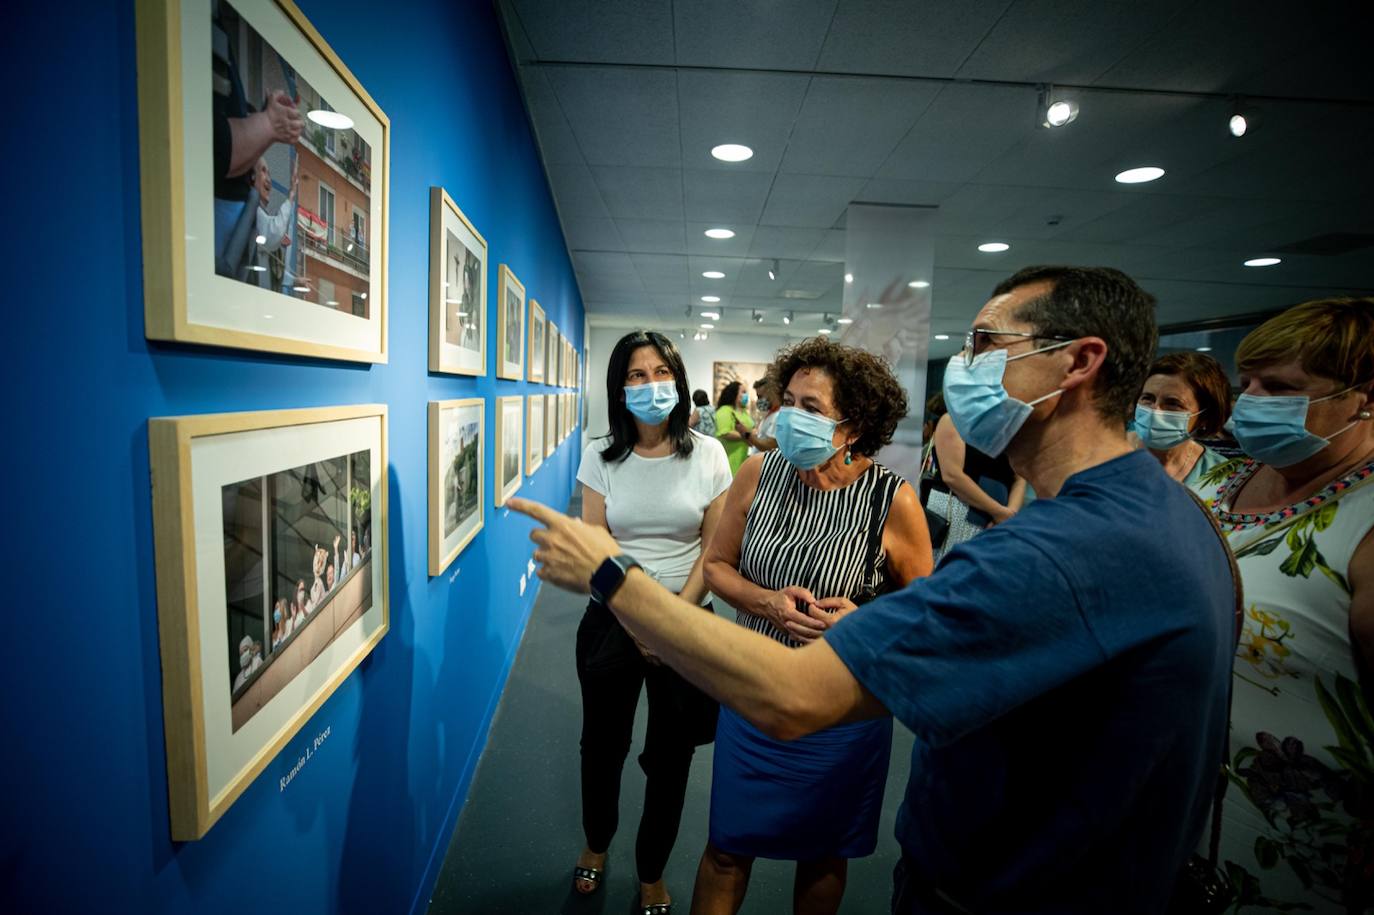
(590, 874)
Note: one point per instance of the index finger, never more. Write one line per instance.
(536, 510)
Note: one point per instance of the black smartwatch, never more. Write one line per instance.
(607, 579)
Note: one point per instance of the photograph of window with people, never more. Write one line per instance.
(297, 571)
(462, 295)
(292, 179)
(461, 453)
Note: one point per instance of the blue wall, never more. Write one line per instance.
(365, 824)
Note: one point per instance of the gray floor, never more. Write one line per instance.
(519, 832)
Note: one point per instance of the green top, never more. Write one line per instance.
(727, 417)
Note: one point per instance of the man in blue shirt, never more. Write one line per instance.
(1065, 673)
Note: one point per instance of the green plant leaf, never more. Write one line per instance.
(1263, 548)
(1354, 763)
(1344, 732)
(1322, 517)
(1332, 574)
(1356, 712)
(1294, 538)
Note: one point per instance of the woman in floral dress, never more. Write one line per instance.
(1298, 820)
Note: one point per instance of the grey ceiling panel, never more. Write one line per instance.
(652, 236)
(640, 193)
(785, 242)
(922, 193)
(575, 192)
(849, 126)
(831, 247)
(622, 31)
(906, 37)
(665, 273)
(557, 142)
(948, 143)
(620, 116)
(592, 234)
(809, 201)
(751, 34)
(724, 196)
(755, 109)
(1073, 41)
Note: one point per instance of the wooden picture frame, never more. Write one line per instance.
(302, 270)
(534, 433)
(551, 353)
(509, 456)
(457, 452)
(510, 345)
(457, 290)
(244, 507)
(550, 425)
(535, 367)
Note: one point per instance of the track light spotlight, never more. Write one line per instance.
(1056, 111)
(787, 318)
(773, 269)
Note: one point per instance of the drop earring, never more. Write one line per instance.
(1365, 414)
(848, 458)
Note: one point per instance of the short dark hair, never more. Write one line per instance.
(867, 393)
(624, 433)
(1096, 302)
(1210, 386)
(700, 398)
(728, 395)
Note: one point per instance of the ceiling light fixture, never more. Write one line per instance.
(720, 233)
(732, 152)
(773, 269)
(874, 305)
(331, 120)
(710, 298)
(711, 315)
(757, 316)
(994, 247)
(942, 336)
(713, 275)
(1140, 175)
(1056, 112)
(787, 318)
(844, 320)
(919, 284)
(825, 331)
(707, 326)
(1241, 121)
(1263, 261)
(849, 277)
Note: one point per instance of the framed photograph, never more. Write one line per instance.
(534, 433)
(270, 533)
(536, 358)
(561, 361)
(457, 290)
(511, 295)
(550, 425)
(457, 433)
(510, 442)
(264, 170)
(551, 353)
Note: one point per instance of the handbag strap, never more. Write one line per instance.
(1223, 774)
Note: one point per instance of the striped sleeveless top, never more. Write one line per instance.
(797, 535)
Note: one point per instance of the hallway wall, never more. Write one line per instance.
(363, 826)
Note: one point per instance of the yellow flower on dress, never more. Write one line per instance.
(1262, 643)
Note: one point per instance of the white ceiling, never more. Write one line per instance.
(934, 103)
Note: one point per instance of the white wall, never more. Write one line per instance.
(697, 355)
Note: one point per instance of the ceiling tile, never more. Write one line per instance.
(640, 193)
(961, 132)
(575, 192)
(755, 109)
(849, 126)
(906, 37)
(620, 116)
(722, 196)
(557, 142)
(809, 201)
(619, 31)
(652, 236)
(751, 34)
(592, 234)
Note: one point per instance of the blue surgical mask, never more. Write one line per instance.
(805, 439)
(276, 616)
(1160, 430)
(651, 403)
(1273, 429)
(986, 416)
(744, 400)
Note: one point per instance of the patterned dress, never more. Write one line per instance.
(1298, 820)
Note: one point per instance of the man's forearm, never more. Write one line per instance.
(747, 671)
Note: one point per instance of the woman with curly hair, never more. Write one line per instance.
(809, 533)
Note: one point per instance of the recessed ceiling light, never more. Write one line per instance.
(707, 326)
(825, 331)
(1238, 125)
(919, 284)
(1263, 261)
(720, 233)
(994, 247)
(875, 305)
(713, 275)
(710, 298)
(1140, 175)
(334, 120)
(849, 277)
(1204, 349)
(942, 336)
(711, 315)
(844, 320)
(732, 152)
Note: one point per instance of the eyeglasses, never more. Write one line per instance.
(971, 339)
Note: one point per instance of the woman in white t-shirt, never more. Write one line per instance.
(659, 488)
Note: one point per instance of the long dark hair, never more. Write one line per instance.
(624, 433)
(728, 395)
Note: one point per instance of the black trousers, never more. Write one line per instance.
(612, 673)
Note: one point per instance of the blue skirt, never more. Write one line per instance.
(798, 800)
